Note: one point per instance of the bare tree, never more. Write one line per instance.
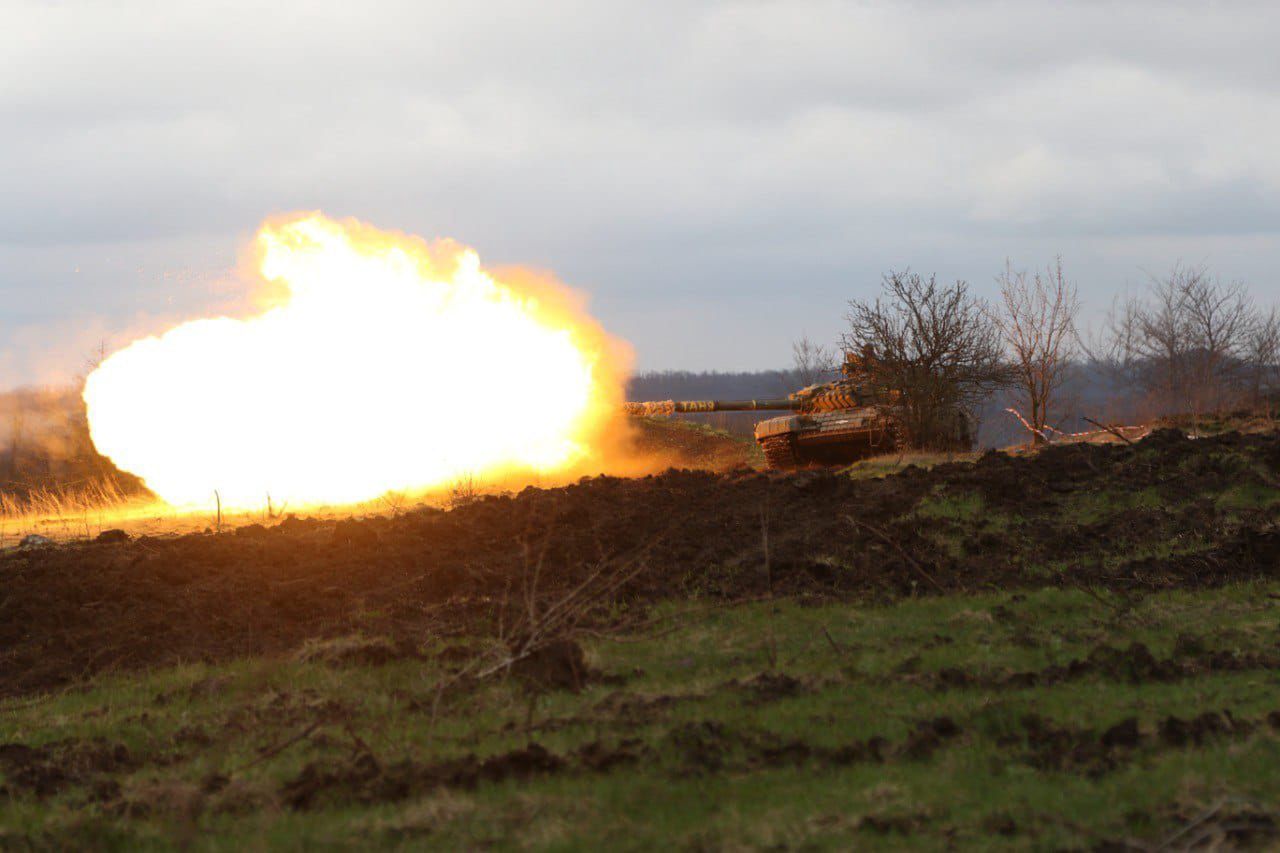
(1263, 357)
(937, 346)
(1185, 341)
(1110, 347)
(1160, 334)
(1037, 319)
(812, 362)
(1142, 345)
(1219, 318)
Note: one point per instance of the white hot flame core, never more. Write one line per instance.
(391, 366)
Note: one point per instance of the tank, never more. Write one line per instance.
(832, 423)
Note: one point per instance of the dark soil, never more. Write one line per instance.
(46, 770)
(364, 779)
(422, 577)
(1135, 665)
(710, 747)
(690, 445)
(690, 748)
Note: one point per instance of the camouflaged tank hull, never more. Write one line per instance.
(825, 438)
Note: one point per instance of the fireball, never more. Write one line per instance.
(387, 364)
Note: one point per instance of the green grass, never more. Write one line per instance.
(1248, 496)
(863, 671)
(892, 463)
(954, 506)
(1092, 507)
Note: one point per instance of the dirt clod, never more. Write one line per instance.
(1122, 734)
(928, 736)
(771, 686)
(1176, 731)
(558, 665)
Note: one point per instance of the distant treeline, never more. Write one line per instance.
(713, 385)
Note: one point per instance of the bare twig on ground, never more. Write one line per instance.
(562, 617)
(911, 561)
(1197, 821)
(540, 626)
(361, 745)
(273, 751)
(1215, 835)
(1119, 608)
(771, 648)
(1117, 433)
(832, 641)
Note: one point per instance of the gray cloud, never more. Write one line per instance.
(721, 176)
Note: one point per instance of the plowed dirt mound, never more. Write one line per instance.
(683, 444)
(68, 612)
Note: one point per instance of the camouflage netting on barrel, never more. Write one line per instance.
(651, 407)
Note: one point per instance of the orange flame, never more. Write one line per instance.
(390, 365)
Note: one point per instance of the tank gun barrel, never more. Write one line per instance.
(670, 407)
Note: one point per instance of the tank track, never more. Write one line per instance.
(780, 452)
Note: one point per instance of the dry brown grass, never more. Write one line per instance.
(64, 500)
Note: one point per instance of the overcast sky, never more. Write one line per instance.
(721, 177)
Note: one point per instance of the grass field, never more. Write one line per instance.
(1075, 649)
(1009, 720)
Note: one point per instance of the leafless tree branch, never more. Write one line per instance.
(936, 346)
(1037, 319)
